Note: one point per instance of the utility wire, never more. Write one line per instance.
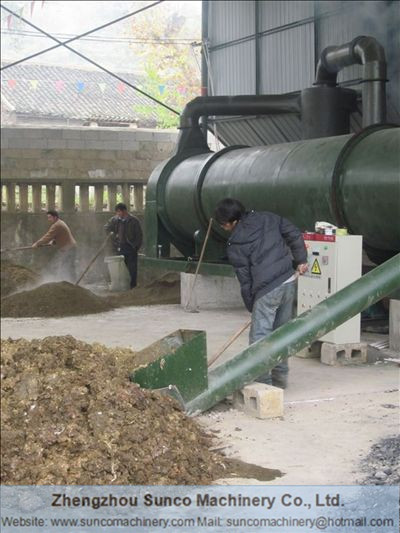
(93, 62)
(101, 38)
(73, 38)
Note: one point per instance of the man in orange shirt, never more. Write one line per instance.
(60, 235)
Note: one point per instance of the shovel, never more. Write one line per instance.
(4, 250)
(193, 309)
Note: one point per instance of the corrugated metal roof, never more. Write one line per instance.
(258, 131)
(287, 60)
(230, 20)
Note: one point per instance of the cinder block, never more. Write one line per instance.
(143, 135)
(74, 144)
(343, 354)
(57, 143)
(130, 145)
(259, 400)
(394, 325)
(310, 352)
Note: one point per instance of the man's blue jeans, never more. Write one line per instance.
(269, 312)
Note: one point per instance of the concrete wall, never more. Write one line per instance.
(79, 154)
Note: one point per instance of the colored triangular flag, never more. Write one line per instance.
(9, 20)
(102, 87)
(34, 84)
(12, 83)
(121, 87)
(59, 85)
(80, 86)
(161, 88)
(32, 7)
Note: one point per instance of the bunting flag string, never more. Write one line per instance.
(121, 87)
(80, 86)
(59, 85)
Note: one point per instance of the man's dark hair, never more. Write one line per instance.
(121, 207)
(228, 210)
(53, 213)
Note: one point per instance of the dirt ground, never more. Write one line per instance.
(333, 416)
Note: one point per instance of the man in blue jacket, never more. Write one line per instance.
(267, 253)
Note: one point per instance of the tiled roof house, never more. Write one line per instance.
(32, 94)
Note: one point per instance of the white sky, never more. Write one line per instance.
(75, 17)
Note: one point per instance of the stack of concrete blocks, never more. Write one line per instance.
(336, 354)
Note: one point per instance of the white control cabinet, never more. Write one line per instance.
(331, 267)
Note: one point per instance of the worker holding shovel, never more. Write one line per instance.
(126, 238)
(262, 248)
(63, 264)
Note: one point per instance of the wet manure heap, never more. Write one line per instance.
(162, 291)
(70, 415)
(15, 277)
(53, 300)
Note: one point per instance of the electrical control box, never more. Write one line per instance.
(334, 261)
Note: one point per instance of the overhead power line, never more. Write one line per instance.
(91, 60)
(101, 38)
(72, 38)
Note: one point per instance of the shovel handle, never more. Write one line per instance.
(203, 249)
(25, 248)
(228, 343)
(94, 258)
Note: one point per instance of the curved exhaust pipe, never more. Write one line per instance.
(362, 50)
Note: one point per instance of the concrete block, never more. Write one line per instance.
(130, 145)
(211, 292)
(343, 354)
(72, 134)
(56, 144)
(95, 145)
(37, 144)
(112, 145)
(90, 135)
(74, 144)
(310, 352)
(108, 135)
(394, 325)
(144, 135)
(259, 400)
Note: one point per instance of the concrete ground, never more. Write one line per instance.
(333, 415)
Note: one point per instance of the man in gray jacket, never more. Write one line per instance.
(267, 253)
(127, 238)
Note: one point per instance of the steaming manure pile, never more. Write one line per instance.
(165, 290)
(53, 300)
(15, 277)
(71, 416)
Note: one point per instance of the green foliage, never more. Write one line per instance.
(172, 73)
